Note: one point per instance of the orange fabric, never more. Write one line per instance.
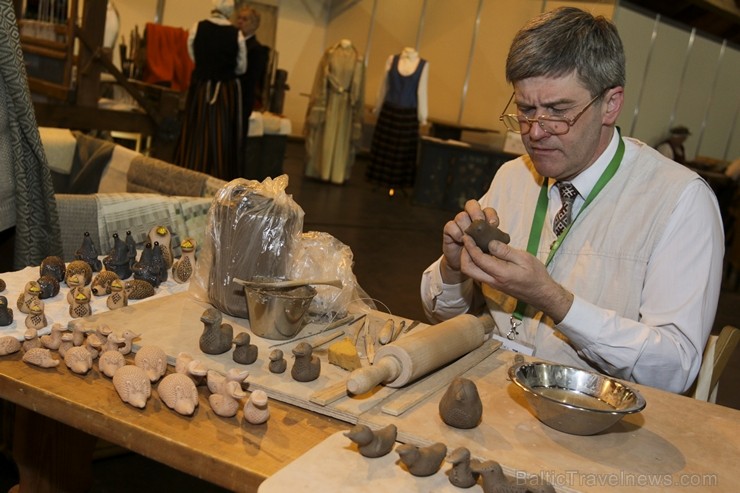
(167, 58)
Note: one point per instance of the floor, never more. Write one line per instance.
(392, 240)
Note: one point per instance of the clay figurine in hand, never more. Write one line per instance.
(53, 266)
(36, 319)
(306, 367)
(118, 297)
(460, 405)
(110, 361)
(256, 411)
(40, 356)
(178, 392)
(373, 443)
(153, 360)
(80, 306)
(130, 248)
(49, 287)
(183, 268)
(31, 292)
(161, 236)
(226, 391)
(132, 385)
(136, 289)
(31, 339)
(278, 364)
(101, 282)
(216, 337)
(54, 339)
(81, 268)
(244, 352)
(9, 345)
(484, 233)
(494, 480)
(422, 461)
(88, 253)
(78, 359)
(117, 258)
(193, 368)
(6, 313)
(461, 475)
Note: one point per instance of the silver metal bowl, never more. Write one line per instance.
(572, 400)
(278, 313)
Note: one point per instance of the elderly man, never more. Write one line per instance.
(615, 258)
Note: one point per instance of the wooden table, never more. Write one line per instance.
(228, 452)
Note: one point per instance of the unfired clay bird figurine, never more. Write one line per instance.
(244, 352)
(422, 461)
(110, 361)
(306, 367)
(31, 339)
(9, 345)
(256, 411)
(226, 391)
(460, 405)
(461, 475)
(128, 338)
(40, 356)
(278, 364)
(373, 443)
(216, 337)
(54, 339)
(178, 392)
(193, 368)
(132, 385)
(153, 360)
(31, 292)
(78, 359)
(494, 480)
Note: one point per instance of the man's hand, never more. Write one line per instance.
(518, 274)
(452, 239)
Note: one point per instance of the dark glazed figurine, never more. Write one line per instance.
(306, 366)
(460, 474)
(149, 264)
(160, 264)
(49, 286)
(494, 480)
(88, 252)
(244, 352)
(53, 266)
(216, 337)
(422, 461)
(161, 236)
(484, 233)
(2, 286)
(277, 361)
(460, 405)
(130, 249)
(117, 258)
(6, 313)
(371, 443)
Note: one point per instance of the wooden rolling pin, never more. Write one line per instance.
(420, 353)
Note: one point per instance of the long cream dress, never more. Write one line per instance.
(334, 117)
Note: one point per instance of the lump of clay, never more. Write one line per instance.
(278, 364)
(307, 366)
(178, 392)
(216, 337)
(244, 352)
(9, 345)
(88, 253)
(133, 385)
(461, 475)
(153, 360)
(373, 443)
(110, 361)
(484, 233)
(256, 411)
(494, 480)
(40, 357)
(460, 405)
(6, 313)
(53, 266)
(78, 359)
(422, 461)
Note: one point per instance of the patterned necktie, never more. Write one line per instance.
(568, 194)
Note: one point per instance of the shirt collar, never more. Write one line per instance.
(586, 180)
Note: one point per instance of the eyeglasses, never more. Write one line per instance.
(553, 125)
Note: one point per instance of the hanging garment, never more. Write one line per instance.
(395, 140)
(334, 117)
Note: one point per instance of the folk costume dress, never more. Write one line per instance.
(334, 117)
(404, 107)
(212, 135)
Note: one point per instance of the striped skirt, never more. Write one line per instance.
(394, 147)
(212, 136)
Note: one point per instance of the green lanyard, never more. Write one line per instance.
(538, 222)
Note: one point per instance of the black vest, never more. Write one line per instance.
(216, 49)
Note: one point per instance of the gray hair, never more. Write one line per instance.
(567, 39)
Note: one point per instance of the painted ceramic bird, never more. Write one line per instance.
(373, 443)
(6, 313)
(183, 267)
(244, 352)
(494, 480)
(216, 337)
(307, 366)
(101, 283)
(422, 461)
(36, 319)
(118, 297)
(31, 292)
(81, 305)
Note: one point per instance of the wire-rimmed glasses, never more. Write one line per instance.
(553, 125)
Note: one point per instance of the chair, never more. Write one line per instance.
(717, 354)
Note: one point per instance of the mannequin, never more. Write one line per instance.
(334, 117)
(402, 107)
